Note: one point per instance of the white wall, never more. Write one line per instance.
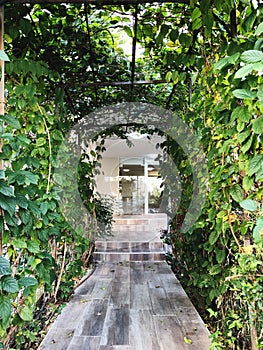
(107, 181)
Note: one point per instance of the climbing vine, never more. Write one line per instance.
(210, 55)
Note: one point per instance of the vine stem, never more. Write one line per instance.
(50, 150)
(16, 262)
(2, 105)
(233, 233)
(61, 272)
(228, 278)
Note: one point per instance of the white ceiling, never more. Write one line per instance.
(143, 147)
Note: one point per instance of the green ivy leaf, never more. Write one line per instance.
(214, 293)
(41, 141)
(27, 281)
(215, 270)
(6, 190)
(258, 231)
(213, 237)
(255, 164)
(226, 61)
(257, 125)
(34, 208)
(252, 56)
(196, 19)
(220, 256)
(57, 135)
(247, 145)
(241, 137)
(244, 71)
(9, 284)
(8, 204)
(259, 29)
(244, 94)
(173, 35)
(20, 243)
(259, 175)
(11, 121)
(25, 216)
(23, 177)
(5, 268)
(247, 183)
(22, 201)
(236, 193)
(249, 204)
(26, 313)
(5, 308)
(44, 207)
(241, 113)
(168, 76)
(33, 246)
(3, 56)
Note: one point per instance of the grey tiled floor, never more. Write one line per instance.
(129, 305)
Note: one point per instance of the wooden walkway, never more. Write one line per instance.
(129, 305)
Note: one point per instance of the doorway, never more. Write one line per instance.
(139, 186)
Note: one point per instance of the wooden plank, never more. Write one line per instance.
(137, 273)
(92, 322)
(84, 343)
(171, 334)
(161, 304)
(164, 269)
(140, 298)
(116, 327)
(72, 313)
(143, 333)
(179, 299)
(57, 339)
(105, 270)
(86, 287)
(118, 347)
(122, 273)
(120, 294)
(102, 288)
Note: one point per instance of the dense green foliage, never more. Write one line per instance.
(210, 53)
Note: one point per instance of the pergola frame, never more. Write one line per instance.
(93, 2)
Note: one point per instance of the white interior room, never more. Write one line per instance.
(130, 174)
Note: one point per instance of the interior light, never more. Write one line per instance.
(136, 135)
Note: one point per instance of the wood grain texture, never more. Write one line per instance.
(84, 343)
(140, 298)
(117, 347)
(102, 288)
(171, 334)
(120, 294)
(116, 328)
(143, 333)
(161, 304)
(129, 305)
(92, 322)
(57, 339)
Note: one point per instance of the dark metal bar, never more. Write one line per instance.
(123, 83)
(134, 39)
(93, 2)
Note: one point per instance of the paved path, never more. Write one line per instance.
(129, 305)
